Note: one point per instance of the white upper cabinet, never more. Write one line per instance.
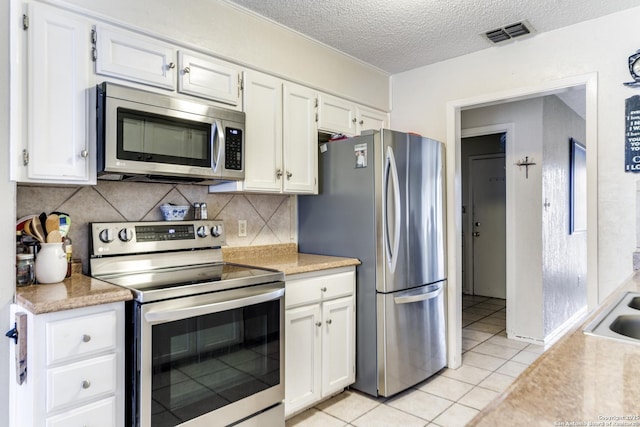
(280, 136)
(128, 55)
(57, 147)
(300, 139)
(368, 118)
(131, 56)
(207, 77)
(263, 132)
(337, 115)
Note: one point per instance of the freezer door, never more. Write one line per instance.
(411, 337)
(425, 212)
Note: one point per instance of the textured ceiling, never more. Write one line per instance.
(399, 35)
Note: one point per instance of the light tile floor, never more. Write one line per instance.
(490, 362)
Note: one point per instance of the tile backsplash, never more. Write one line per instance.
(270, 218)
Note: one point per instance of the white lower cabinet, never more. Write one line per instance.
(319, 336)
(75, 368)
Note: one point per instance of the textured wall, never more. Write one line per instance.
(269, 217)
(564, 255)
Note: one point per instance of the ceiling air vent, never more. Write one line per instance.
(508, 32)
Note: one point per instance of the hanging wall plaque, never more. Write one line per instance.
(632, 134)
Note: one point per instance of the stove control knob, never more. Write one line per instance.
(216, 231)
(106, 235)
(202, 231)
(125, 235)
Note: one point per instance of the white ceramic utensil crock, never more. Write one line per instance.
(51, 263)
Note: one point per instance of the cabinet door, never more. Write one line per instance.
(263, 132)
(132, 56)
(338, 345)
(336, 115)
(302, 357)
(58, 89)
(300, 140)
(209, 78)
(371, 119)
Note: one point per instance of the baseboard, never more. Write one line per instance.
(554, 336)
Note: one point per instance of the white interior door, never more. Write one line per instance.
(488, 196)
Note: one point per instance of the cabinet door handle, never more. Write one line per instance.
(361, 122)
(187, 70)
(328, 321)
(279, 173)
(318, 324)
(171, 65)
(86, 384)
(86, 338)
(289, 175)
(323, 289)
(354, 120)
(84, 154)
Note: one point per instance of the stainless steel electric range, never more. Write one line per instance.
(205, 338)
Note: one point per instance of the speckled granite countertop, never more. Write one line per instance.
(74, 292)
(580, 380)
(82, 291)
(285, 258)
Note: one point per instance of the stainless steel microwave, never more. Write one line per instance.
(146, 136)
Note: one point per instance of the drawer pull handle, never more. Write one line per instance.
(323, 289)
(328, 322)
(86, 384)
(86, 338)
(318, 324)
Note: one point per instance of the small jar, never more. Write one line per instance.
(203, 211)
(196, 210)
(24, 269)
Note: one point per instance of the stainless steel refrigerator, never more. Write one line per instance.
(381, 200)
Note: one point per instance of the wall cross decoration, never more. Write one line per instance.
(526, 163)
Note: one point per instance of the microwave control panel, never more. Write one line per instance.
(233, 149)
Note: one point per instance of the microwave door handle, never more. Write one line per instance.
(217, 144)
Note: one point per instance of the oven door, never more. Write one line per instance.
(211, 359)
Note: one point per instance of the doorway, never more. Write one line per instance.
(454, 164)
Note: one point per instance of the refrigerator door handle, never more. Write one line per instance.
(391, 171)
(419, 297)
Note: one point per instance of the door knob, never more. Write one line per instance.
(476, 234)
(477, 224)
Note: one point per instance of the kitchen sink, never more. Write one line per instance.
(635, 303)
(620, 321)
(627, 325)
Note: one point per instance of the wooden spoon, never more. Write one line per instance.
(52, 223)
(27, 228)
(36, 229)
(54, 236)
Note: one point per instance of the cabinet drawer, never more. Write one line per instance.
(77, 382)
(71, 338)
(306, 290)
(98, 414)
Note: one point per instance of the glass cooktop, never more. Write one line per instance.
(172, 282)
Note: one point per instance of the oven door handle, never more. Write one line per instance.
(164, 316)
